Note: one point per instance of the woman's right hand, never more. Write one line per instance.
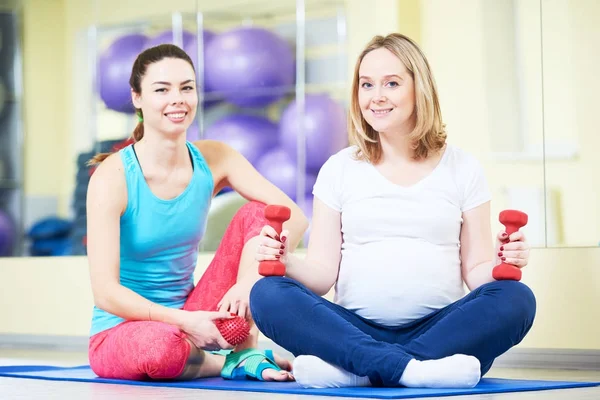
(202, 331)
(271, 246)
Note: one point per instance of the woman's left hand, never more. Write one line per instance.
(236, 299)
(512, 250)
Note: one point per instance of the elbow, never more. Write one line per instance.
(103, 298)
(322, 291)
(325, 287)
(102, 302)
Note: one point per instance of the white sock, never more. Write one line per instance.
(312, 372)
(457, 371)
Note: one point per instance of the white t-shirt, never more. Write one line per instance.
(400, 255)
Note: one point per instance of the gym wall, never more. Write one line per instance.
(565, 280)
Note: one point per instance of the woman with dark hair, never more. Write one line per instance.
(147, 208)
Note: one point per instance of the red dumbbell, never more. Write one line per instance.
(512, 221)
(276, 215)
(234, 330)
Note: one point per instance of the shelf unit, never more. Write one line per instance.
(11, 125)
(315, 30)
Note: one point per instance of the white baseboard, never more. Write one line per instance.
(44, 342)
(574, 359)
(577, 359)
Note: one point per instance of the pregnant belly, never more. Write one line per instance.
(396, 282)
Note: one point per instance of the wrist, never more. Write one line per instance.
(291, 263)
(171, 316)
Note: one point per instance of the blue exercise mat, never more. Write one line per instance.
(487, 385)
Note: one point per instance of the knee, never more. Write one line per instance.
(268, 294)
(166, 356)
(251, 218)
(140, 350)
(250, 210)
(517, 299)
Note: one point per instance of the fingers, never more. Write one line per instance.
(519, 249)
(513, 246)
(220, 315)
(513, 249)
(518, 258)
(515, 253)
(517, 237)
(269, 249)
(237, 307)
(223, 344)
(284, 235)
(233, 307)
(223, 306)
(517, 262)
(268, 230)
(266, 257)
(242, 309)
(502, 237)
(270, 243)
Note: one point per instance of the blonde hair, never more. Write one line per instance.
(429, 133)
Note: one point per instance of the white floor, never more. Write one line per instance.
(12, 388)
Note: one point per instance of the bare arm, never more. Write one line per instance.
(476, 247)
(229, 167)
(319, 270)
(106, 201)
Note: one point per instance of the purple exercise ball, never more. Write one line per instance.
(114, 70)
(7, 234)
(252, 136)
(244, 61)
(324, 129)
(193, 133)
(190, 44)
(307, 208)
(278, 168)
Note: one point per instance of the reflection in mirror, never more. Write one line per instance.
(515, 112)
(487, 63)
(287, 68)
(570, 37)
(516, 78)
(11, 129)
(251, 91)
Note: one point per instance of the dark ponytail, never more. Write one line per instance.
(140, 65)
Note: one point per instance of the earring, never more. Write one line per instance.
(139, 115)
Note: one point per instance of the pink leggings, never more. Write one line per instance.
(138, 350)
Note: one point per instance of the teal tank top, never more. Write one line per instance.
(160, 238)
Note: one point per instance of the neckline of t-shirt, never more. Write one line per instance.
(420, 183)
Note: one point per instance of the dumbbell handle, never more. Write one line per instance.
(276, 216)
(512, 220)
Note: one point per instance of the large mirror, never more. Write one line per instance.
(516, 80)
(571, 55)
(486, 60)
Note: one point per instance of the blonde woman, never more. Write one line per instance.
(401, 220)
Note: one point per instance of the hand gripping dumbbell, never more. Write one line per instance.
(276, 216)
(512, 221)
